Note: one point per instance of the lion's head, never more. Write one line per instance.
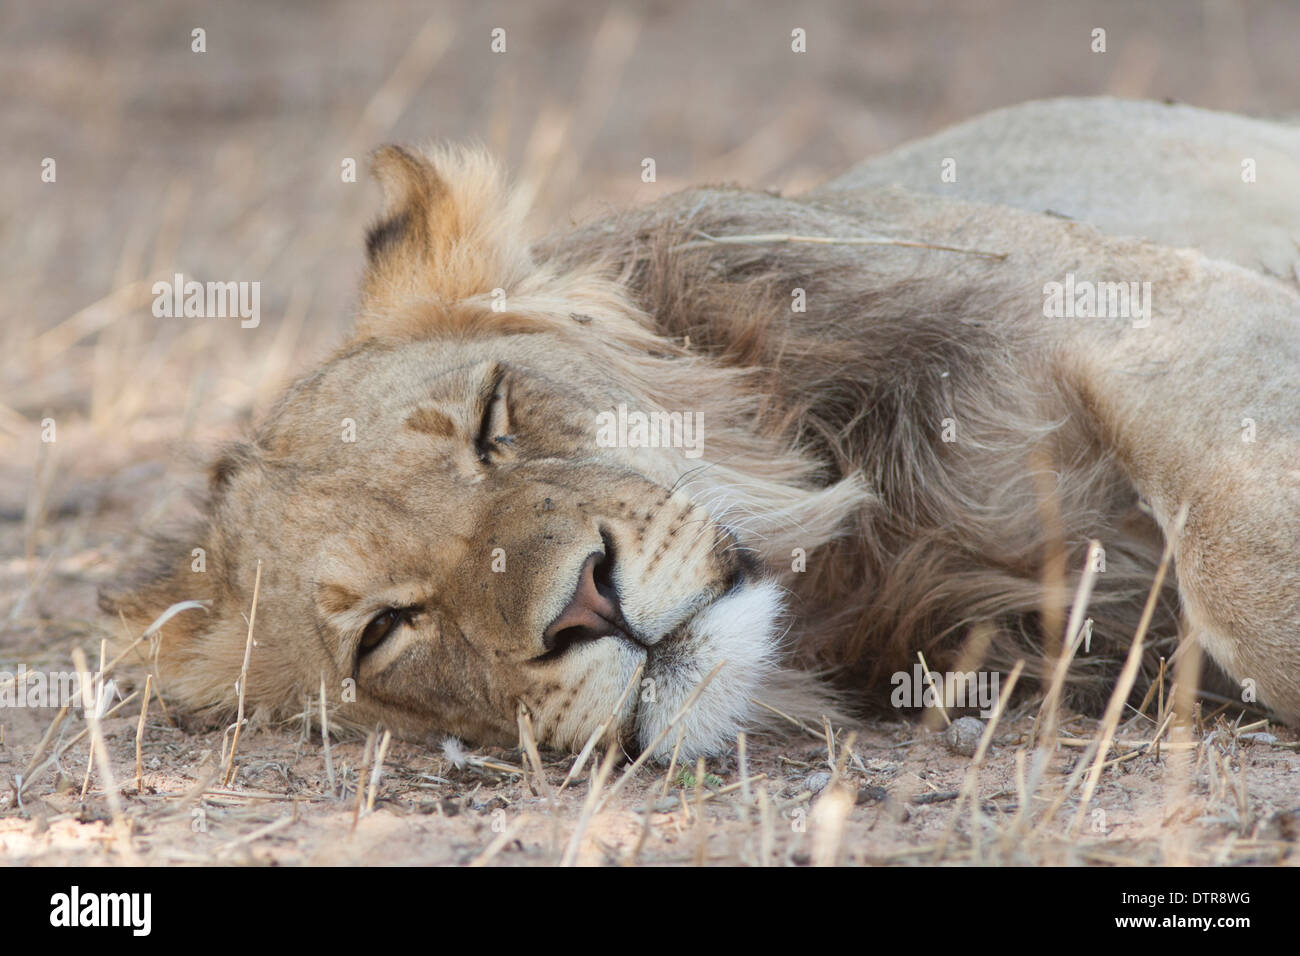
(444, 531)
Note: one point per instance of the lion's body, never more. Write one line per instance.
(1225, 185)
(896, 433)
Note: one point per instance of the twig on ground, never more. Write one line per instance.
(378, 770)
(781, 238)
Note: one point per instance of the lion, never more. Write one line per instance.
(731, 454)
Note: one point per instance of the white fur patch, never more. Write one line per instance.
(740, 629)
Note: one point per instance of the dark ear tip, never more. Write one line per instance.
(385, 234)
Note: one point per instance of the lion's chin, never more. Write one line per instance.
(738, 630)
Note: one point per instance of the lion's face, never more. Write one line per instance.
(442, 520)
(444, 534)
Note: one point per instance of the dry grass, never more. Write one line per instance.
(226, 166)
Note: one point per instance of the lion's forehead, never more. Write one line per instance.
(419, 395)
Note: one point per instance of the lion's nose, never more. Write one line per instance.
(592, 613)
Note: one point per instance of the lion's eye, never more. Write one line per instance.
(380, 627)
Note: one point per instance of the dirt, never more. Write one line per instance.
(1229, 801)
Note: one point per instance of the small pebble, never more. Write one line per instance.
(816, 782)
(870, 794)
(963, 735)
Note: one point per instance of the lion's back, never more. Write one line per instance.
(1226, 185)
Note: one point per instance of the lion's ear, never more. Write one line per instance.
(450, 230)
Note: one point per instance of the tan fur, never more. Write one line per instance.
(1226, 185)
(823, 432)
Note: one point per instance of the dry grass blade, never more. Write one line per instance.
(243, 678)
(99, 753)
(139, 735)
(828, 734)
(90, 766)
(846, 752)
(1115, 706)
(378, 770)
(938, 692)
(325, 736)
(740, 785)
(779, 237)
(672, 762)
(1160, 684)
(528, 741)
(361, 779)
(570, 855)
(255, 795)
(1187, 676)
(41, 747)
(97, 683)
(1049, 712)
(810, 731)
(158, 623)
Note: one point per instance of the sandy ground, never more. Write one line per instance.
(897, 799)
(226, 165)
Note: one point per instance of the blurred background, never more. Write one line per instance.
(226, 165)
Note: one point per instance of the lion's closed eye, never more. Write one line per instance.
(493, 436)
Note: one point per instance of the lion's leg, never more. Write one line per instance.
(1238, 567)
(1202, 407)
